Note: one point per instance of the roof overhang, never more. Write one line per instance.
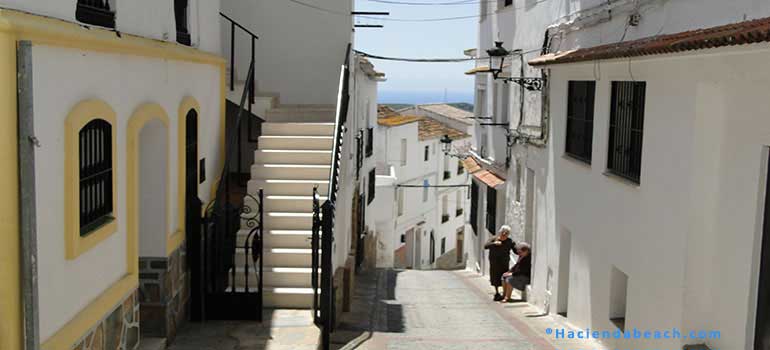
(741, 33)
(485, 176)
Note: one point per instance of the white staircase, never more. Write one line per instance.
(292, 158)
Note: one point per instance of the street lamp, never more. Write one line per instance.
(446, 146)
(497, 56)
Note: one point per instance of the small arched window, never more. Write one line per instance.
(96, 12)
(95, 164)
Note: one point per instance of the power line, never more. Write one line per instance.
(463, 2)
(440, 60)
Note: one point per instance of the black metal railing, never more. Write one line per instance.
(324, 306)
(315, 246)
(359, 153)
(251, 87)
(96, 12)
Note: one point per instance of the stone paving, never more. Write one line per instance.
(282, 330)
(395, 310)
(453, 310)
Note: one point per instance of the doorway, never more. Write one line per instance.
(410, 248)
(529, 224)
(565, 248)
(762, 325)
(418, 249)
(192, 217)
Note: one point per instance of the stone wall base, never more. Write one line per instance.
(164, 294)
(119, 330)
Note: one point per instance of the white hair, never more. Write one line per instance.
(521, 245)
(505, 228)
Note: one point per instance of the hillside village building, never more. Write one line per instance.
(421, 204)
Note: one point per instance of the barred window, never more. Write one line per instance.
(624, 156)
(369, 142)
(96, 12)
(491, 210)
(95, 164)
(182, 22)
(371, 185)
(580, 119)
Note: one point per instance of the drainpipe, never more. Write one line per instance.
(27, 216)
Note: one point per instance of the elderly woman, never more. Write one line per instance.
(519, 275)
(500, 248)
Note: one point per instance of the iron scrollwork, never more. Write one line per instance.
(531, 84)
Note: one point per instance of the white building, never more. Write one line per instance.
(116, 135)
(650, 205)
(420, 210)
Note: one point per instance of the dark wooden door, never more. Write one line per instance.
(193, 217)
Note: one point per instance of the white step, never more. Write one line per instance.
(288, 257)
(281, 238)
(296, 142)
(289, 220)
(289, 171)
(286, 297)
(291, 203)
(282, 297)
(289, 187)
(276, 156)
(317, 129)
(278, 277)
(301, 114)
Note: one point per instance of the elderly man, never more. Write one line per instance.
(499, 247)
(519, 275)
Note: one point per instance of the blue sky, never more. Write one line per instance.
(420, 82)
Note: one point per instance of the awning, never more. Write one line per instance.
(470, 165)
(483, 69)
(487, 177)
(741, 33)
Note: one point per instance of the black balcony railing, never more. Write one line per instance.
(96, 12)
(444, 218)
(447, 174)
(251, 85)
(459, 212)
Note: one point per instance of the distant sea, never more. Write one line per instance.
(421, 97)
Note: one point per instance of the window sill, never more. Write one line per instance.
(621, 179)
(577, 160)
(76, 245)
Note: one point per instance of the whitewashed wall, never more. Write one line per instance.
(300, 49)
(700, 196)
(147, 18)
(125, 83)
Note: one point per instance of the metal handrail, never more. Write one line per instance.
(234, 24)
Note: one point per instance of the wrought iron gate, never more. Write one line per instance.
(227, 260)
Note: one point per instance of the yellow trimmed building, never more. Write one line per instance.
(112, 113)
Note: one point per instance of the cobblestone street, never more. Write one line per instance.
(443, 310)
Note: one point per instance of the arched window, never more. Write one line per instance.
(96, 12)
(95, 172)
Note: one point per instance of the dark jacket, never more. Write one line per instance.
(500, 253)
(523, 267)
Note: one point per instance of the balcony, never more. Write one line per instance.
(459, 212)
(444, 218)
(447, 175)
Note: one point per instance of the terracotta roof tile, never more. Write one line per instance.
(433, 129)
(471, 165)
(396, 120)
(488, 178)
(741, 33)
(385, 111)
